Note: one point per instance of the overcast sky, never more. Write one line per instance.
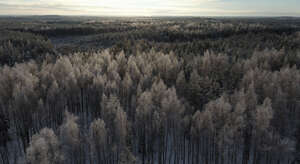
(152, 7)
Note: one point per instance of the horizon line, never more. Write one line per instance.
(77, 15)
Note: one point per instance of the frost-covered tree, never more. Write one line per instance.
(44, 148)
(69, 136)
(263, 116)
(143, 121)
(98, 142)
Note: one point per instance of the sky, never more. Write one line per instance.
(152, 7)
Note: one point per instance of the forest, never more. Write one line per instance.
(149, 90)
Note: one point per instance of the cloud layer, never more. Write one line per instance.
(151, 7)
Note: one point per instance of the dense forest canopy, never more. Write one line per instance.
(178, 90)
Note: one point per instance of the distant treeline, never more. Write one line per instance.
(74, 31)
(19, 47)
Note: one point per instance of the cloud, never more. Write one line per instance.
(95, 7)
(133, 7)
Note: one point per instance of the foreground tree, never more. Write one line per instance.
(98, 143)
(4, 138)
(70, 138)
(297, 151)
(44, 148)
